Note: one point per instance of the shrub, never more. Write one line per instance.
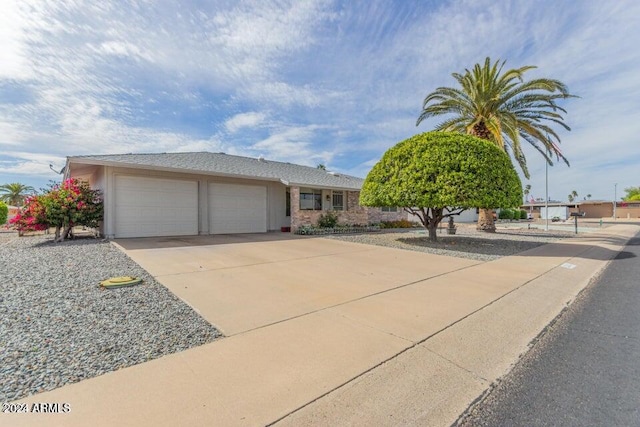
(438, 174)
(32, 216)
(403, 223)
(523, 214)
(328, 220)
(506, 213)
(4, 212)
(63, 207)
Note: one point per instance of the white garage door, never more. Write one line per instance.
(147, 207)
(235, 208)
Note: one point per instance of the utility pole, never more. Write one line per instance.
(615, 197)
(546, 195)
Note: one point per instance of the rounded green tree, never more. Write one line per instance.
(435, 175)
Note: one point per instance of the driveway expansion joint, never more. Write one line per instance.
(356, 299)
(474, 374)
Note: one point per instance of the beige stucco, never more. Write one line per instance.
(103, 178)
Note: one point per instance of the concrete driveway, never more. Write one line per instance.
(324, 332)
(243, 282)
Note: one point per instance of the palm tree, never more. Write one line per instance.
(570, 198)
(526, 191)
(589, 196)
(502, 108)
(15, 193)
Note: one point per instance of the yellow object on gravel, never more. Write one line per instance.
(120, 282)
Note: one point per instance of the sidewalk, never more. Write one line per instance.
(419, 354)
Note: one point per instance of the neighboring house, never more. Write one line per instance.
(590, 208)
(12, 211)
(173, 194)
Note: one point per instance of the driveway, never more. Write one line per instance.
(243, 282)
(324, 332)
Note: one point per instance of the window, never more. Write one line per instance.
(310, 200)
(389, 209)
(338, 201)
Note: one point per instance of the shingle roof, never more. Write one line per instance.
(227, 165)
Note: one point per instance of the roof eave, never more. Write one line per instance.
(97, 162)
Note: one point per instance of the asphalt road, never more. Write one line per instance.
(585, 369)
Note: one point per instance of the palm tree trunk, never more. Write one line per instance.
(485, 217)
(485, 221)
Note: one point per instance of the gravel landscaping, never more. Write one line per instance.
(466, 243)
(58, 327)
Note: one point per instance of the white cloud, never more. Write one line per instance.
(309, 82)
(243, 120)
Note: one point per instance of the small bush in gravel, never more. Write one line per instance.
(403, 223)
(506, 213)
(4, 212)
(523, 214)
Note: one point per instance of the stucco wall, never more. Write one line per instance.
(102, 177)
(628, 212)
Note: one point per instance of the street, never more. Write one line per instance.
(585, 368)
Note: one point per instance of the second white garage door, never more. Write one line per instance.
(235, 208)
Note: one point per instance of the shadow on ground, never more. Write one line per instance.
(207, 240)
(506, 247)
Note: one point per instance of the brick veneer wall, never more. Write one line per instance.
(354, 213)
(376, 215)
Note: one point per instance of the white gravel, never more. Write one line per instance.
(466, 243)
(58, 327)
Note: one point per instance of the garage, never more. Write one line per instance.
(236, 208)
(147, 207)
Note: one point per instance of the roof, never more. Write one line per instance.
(222, 164)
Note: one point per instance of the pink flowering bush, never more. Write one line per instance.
(64, 206)
(31, 217)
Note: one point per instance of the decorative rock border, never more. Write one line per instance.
(317, 231)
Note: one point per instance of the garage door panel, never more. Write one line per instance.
(155, 207)
(235, 208)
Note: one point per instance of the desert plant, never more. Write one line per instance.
(440, 174)
(15, 193)
(328, 220)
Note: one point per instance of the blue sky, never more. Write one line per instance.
(333, 82)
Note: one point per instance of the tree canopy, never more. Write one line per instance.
(438, 174)
(633, 194)
(15, 193)
(503, 108)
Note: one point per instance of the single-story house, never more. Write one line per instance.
(173, 194)
(590, 208)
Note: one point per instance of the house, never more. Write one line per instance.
(590, 208)
(173, 194)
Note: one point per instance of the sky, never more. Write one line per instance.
(308, 82)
